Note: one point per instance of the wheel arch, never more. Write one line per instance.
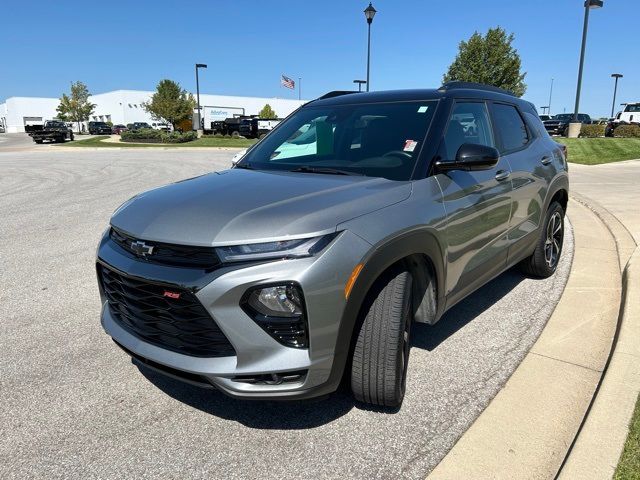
(558, 191)
(415, 250)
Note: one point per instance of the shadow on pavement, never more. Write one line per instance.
(296, 415)
(428, 338)
(291, 415)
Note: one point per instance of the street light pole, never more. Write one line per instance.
(369, 13)
(615, 91)
(199, 65)
(588, 5)
(550, 93)
(359, 82)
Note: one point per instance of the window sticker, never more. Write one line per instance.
(410, 145)
(423, 109)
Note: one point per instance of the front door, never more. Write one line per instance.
(477, 203)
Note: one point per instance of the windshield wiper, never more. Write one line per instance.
(325, 170)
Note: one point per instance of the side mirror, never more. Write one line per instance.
(471, 156)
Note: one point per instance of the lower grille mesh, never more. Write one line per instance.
(163, 315)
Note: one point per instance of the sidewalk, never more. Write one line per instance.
(565, 411)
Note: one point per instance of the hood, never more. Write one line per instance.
(244, 206)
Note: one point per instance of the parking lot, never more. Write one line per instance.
(73, 405)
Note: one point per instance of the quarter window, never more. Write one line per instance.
(510, 126)
(469, 123)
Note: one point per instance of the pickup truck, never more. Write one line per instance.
(559, 124)
(53, 130)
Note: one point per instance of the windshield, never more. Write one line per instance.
(375, 139)
(633, 108)
(564, 116)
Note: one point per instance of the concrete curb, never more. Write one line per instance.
(598, 445)
(526, 430)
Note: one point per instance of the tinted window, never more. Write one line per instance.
(632, 108)
(469, 123)
(510, 127)
(376, 139)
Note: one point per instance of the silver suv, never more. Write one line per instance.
(308, 262)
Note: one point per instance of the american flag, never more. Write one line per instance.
(287, 82)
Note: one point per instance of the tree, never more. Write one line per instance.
(76, 106)
(490, 60)
(170, 103)
(267, 112)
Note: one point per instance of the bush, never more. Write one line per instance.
(627, 131)
(592, 131)
(147, 135)
(177, 137)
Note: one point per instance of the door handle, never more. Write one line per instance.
(502, 175)
(546, 160)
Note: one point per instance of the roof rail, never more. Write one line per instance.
(335, 93)
(474, 86)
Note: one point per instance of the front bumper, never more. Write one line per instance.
(322, 279)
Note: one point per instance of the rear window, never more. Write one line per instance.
(510, 127)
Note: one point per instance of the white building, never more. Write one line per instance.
(125, 106)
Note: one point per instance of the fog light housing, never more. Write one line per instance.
(279, 310)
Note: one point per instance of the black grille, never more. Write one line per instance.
(167, 253)
(163, 315)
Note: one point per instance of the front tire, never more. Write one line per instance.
(544, 260)
(381, 354)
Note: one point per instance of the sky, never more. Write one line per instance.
(248, 44)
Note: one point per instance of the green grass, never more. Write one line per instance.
(629, 466)
(201, 142)
(594, 151)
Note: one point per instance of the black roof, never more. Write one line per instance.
(448, 90)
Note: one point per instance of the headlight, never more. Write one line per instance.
(303, 247)
(279, 310)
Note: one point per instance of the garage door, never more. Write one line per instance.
(32, 123)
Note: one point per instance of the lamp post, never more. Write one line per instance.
(588, 5)
(360, 82)
(369, 13)
(199, 65)
(550, 93)
(615, 91)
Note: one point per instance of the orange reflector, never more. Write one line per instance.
(352, 280)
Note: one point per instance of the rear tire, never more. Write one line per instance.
(544, 260)
(381, 354)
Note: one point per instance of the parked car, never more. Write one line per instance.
(99, 128)
(118, 129)
(282, 276)
(559, 124)
(52, 130)
(544, 117)
(2, 129)
(629, 116)
(257, 127)
(138, 126)
(161, 126)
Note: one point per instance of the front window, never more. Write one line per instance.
(632, 108)
(375, 139)
(564, 116)
(469, 123)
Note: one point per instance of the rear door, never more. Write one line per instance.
(527, 152)
(478, 204)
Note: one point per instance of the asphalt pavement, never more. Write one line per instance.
(73, 406)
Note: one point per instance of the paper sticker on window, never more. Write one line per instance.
(410, 145)
(423, 108)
